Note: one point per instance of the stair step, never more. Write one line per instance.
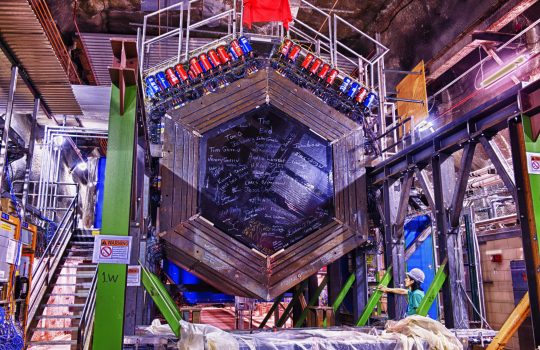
(56, 329)
(63, 305)
(58, 317)
(80, 250)
(79, 275)
(53, 342)
(80, 266)
(82, 295)
(82, 243)
(82, 284)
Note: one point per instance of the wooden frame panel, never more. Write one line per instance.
(195, 244)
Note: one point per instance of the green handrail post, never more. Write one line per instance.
(312, 302)
(374, 299)
(433, 290)
(162, 299)
(271, 311)
(343, 293)
(296, 295)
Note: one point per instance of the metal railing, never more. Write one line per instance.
(84, 333)
(61, 204)
(179, 46)
(400, 136)
(44, 270)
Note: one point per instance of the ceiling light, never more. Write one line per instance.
(504, 71)
(424, 125)
(82, 166)
(58, 140)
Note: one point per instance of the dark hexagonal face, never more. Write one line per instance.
(266, 179)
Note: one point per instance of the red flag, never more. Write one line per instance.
(267, 11)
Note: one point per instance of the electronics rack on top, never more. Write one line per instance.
(208, 71)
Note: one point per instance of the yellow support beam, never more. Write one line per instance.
(511, 324)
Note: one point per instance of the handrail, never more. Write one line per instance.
(44, 269)
(87, 316)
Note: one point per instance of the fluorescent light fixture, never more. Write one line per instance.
(504, 71)
(424, 125)
(82, 166)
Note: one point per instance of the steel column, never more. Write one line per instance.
(459, 190)
(110, 294)
(500, 165)
(426, 187)
(528, 211)
(133, 306)
(29, 156)
(394, 250)
(360, 288)
(335, 283)
(453, 300)
(7, 121)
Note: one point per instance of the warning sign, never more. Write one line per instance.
(533, 163)
(112, 249)
(134, 276)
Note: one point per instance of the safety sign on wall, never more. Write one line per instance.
(134, 276)
(111, 249)
(533, 162)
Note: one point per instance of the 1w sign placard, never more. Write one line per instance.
(533, 163)
(111, 249)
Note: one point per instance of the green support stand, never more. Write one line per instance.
(162, 299)
(296, 296)
(111, 286)
(342, 294)
(312, 302)
(271, 311)
(432, 291)
(374, 299)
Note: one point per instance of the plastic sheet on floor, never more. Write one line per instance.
(197, 336)
(416, 329)
(411, 333)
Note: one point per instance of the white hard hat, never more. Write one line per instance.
(417, 275)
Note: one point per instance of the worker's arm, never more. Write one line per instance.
(384, 289)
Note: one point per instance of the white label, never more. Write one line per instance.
(134, 276)
(13, 254)
(111, 249)
(533, 163)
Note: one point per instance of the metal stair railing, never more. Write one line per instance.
(87, 317)
(44, 270)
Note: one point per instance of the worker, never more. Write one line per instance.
(414, 291)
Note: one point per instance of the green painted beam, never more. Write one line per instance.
(312, 302)
(374, 299)
(271, 311)
(111, 285)
(433, 290)
(379, 303)
(532, 145)
(342, 294)
(162, 299)
(296, 296)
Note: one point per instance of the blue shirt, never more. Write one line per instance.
(414, 298)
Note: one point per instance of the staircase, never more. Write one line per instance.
(60, 313)
(62, 297)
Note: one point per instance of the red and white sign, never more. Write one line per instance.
(533, 163)
(133, 276)
(111, 249)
